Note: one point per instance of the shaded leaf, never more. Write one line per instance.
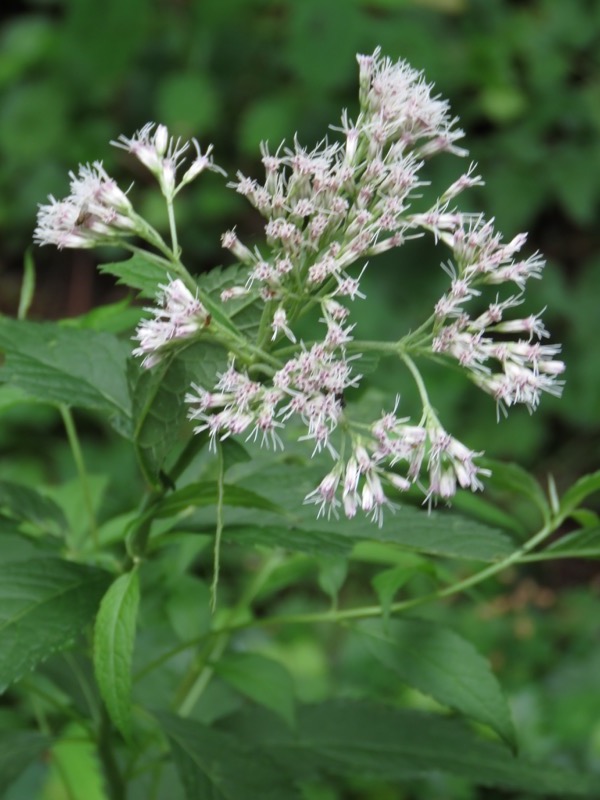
(26, 504)
(54, 363)
(263, 680)
(114, 636)
(158, 408)
(44, 604)
(205, 493)
(216, 765)
(367, 740)
(442, 664)
(18, 750)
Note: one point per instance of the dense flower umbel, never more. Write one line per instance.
(327, 212)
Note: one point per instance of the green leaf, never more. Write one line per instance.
(333, 571)
(245, 312)
(389, 581)
(18, 750)
(205, 493)
(143, 274)
(515, 479)
(158, 407)
(370, 741)
(577, 493)
(114, 636)
(261, 679)
(580, 544)
(74, 762)
(442, 664)
(28, 285)
(216, 765)
(119, 317)
(44, 604)
(81, 368)
(27, 504)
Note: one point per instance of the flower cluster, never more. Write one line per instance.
(327, 212)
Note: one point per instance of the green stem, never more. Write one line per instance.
(198, 677)
(173, 228)
(114, 780)
(219, 528)
(366, 612)
(69, 424)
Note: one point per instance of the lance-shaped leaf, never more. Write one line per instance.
(44, 604)
(81, 368)
(114, 636)
(442, 664)
(143, 274)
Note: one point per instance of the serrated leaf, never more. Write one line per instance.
(440, 663)
(580, 544)
(114, 636)
(391, 745)
(261, 679)
(158, 408)
(577, 493)
(216, 765)
(205, 493)
(26, 504)
(81, 368)
(44, 604)
(18, 750)
(143, 274)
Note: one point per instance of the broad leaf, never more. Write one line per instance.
(81, 368)
(27, 504)
(205, 493)
(44, 604)
(215, 765)
(159, 410)
(114, 636)
(442, 664)
(18, 750)
(74, 762)
(577, 493)
(138, 272)
(370, 741)
(261, 679)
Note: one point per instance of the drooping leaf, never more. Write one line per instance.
(26, 504)
(114, 636)
(345, 738)
(440, 663)
(18, 750)
(158, 407)
(81, 368)
(216, 765)
(143, 274)
(388, 582)
(44, 604)
(261, 679)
